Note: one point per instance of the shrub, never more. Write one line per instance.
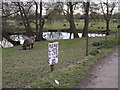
(108, 44)
(94, 52)
(97, 43)
(105, 43)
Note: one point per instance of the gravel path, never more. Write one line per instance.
(104, 74)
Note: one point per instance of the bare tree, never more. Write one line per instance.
(107, 10)
(86, 18)
(94, 11)
(36, 14)
(42, 19)
(41, 23)
(24, 14)
(69, 17)
(7, 10)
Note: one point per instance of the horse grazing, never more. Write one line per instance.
(28, 42)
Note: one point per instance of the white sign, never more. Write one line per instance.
(53, 53)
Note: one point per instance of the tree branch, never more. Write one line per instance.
(66, 15)
(11, 13)
(103, 10)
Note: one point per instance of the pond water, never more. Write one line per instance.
(47, 35)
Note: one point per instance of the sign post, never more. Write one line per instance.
(52, 54)
(52, 67)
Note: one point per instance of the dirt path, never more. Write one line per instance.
(104, 74)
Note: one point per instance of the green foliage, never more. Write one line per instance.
(94, 52)
(108, 44)
(105, 43)
(97, 43)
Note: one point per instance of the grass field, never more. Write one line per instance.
(22, 67)
(70, 75)
(80, 25)
(59, 25)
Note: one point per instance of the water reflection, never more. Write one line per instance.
(4, 43)
(20, 38)
(64, 35)
(56, 35)
(47, 35)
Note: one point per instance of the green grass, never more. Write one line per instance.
(72, 74)
(67, 77)
(22, 67)
(56, 25)
(59, 25)
(102, 24)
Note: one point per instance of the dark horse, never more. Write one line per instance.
(28, 42)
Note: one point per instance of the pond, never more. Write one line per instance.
(46, 35)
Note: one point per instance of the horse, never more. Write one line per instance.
(28, 43)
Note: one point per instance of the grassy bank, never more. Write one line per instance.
(67, 77)
(23, 68)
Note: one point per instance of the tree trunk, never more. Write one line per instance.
(107, 27)
(39, 31)
(28, 28)
(72, 23)
(40, 23)
(37, 35)
(84, 33)
(85, 30)
(107, 20)
(86, 22)
(73, 29)
(5, 35)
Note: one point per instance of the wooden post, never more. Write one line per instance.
(52, 68)
(106, 36)
(116, 34)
